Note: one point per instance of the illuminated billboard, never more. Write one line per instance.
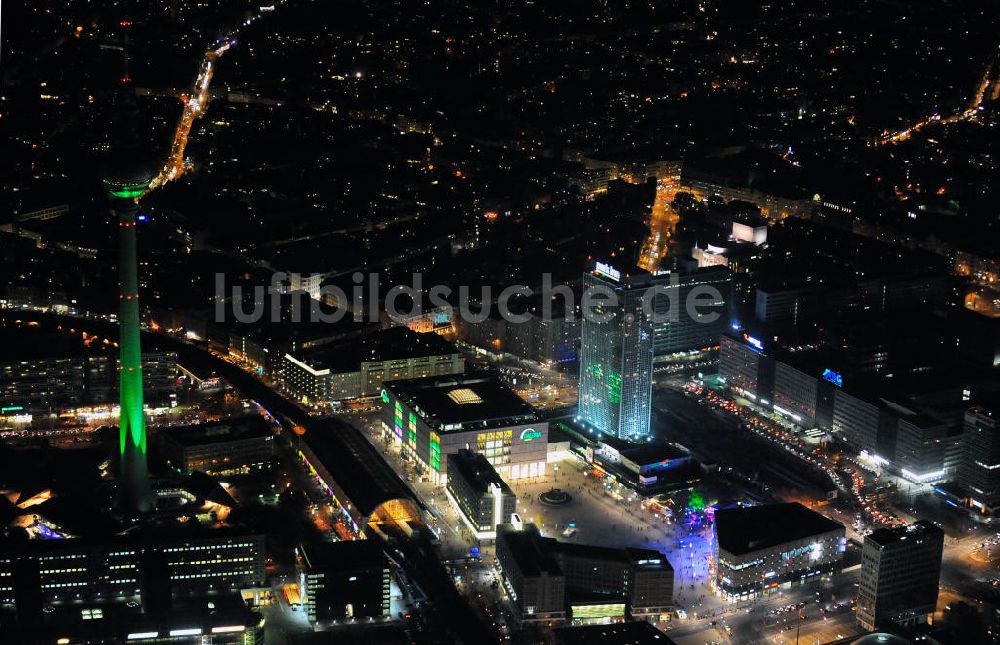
(834, 377)
(530, 434)
(608, 271)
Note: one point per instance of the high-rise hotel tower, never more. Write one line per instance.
(616, 353)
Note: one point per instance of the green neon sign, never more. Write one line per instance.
(435, 452)
(530, 435)
(12, 408)
(385, 396)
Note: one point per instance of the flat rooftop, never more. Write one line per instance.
(624, 276)
(641, 558)
(922, 528)
(251, 426)
(458, 399)
(30, 342)
(151, 536)
(477, 470)
(527, 547)
(590, 551)
(344, 555)
(395, 343)
(646, 452)
(118, 620)
(537, 553)
(648, 558)
(743, 530)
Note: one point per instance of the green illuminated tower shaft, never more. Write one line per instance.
(125, 177)
(134, 494)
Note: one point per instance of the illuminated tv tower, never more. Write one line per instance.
(125, 178)
(134, 493)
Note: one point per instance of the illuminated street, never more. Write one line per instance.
(662, 222)
(972, 112)
(500, 323)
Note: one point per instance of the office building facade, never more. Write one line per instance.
(43, 384)
(437, 416)
(650, 591)
(922, 442)
(140, 569)
(914, 444)
(795, 394)
(788, 304)
(481, 497)
(582, 583)
(806, 386)
(211, 619)
(793, 384)
(857, 421)
(900, 571)
(677, 326)
(344, 580)
(740, 363)
(531, 575)
(761, 549)
(641, 581)
(358, 367)
(55, 383)
(229, 446)
(616, 354)
(979, 472)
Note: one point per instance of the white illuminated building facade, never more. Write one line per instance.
(481, 497)
(762, 549)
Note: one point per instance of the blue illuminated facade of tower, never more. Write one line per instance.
(616, 356)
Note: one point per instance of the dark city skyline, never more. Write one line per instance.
(463, 321)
